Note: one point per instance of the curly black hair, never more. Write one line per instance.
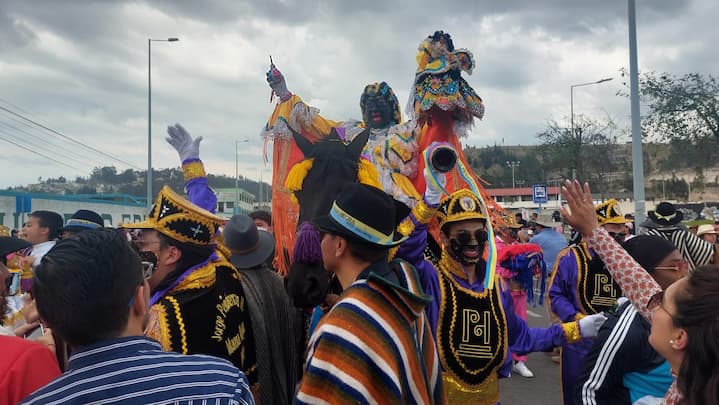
(438, 35)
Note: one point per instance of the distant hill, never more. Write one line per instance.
(670, 170)
(106, 180)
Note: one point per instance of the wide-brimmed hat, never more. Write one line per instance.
(666, 214)
(545, 220)
(366, 214)
(609, 212)
(706, 229)
(181, 220)
(510, 221)
(460, 206)
(8, 244)
(250, 246)
(83, 220)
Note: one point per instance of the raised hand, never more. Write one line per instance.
(277, 83)
(579, 210)
(183, 143)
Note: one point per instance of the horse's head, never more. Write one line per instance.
(334, 164)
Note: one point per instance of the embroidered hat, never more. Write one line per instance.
(608, 212)
(366, 214)
(666, 214)
(250, 247)
(83, 220)
(179, 219)
(459, 206)
(510, 221)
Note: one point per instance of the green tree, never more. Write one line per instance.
(680, 107)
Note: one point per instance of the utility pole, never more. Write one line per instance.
(637, 156)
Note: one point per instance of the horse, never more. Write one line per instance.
(315, 182)
(328, 166)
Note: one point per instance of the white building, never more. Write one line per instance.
(114, 208)
(232, 201)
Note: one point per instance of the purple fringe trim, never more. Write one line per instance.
(307, 245)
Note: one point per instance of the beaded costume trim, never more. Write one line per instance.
(180, 323)
(571, 331)
(596, 290)
(481, 326)
(193, 169)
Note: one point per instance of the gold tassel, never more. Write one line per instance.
(297, 175)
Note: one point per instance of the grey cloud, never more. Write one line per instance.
(101, 96)
(13, 33)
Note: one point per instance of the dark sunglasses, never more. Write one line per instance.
(657, 301)
(681, 267)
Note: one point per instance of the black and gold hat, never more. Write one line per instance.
(511, 222)
(459, 206)
(176, 217)
(608, 212)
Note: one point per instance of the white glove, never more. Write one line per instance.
(183, 143)
(621, 301)
(277, 83)
(433, 194)
(590, 324)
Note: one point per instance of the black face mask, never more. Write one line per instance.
(379, 106)
(466, 241)
(619, 237)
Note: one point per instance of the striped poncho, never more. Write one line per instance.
(374, 346)
(694, 249)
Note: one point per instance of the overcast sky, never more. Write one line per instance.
(80, 68)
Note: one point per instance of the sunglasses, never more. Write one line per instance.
(657, 301)
(147, 269)
(681, 267)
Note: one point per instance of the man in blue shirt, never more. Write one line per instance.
(551, 241)
(92, 291)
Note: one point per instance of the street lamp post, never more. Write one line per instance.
(236, 210)
(637, 155)
(571, 98)
(571, 108)
(513, 164)
(149, 115)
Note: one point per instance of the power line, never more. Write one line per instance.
(15, 106)
(68, 138)
(40, 154)
(68, 154)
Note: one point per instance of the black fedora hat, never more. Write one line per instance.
(8, 244)
(83, 220)
(666, 214)
(365, 214)
(250, 246)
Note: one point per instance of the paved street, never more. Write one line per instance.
(544, 388)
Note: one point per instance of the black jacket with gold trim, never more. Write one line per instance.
(206, 313)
